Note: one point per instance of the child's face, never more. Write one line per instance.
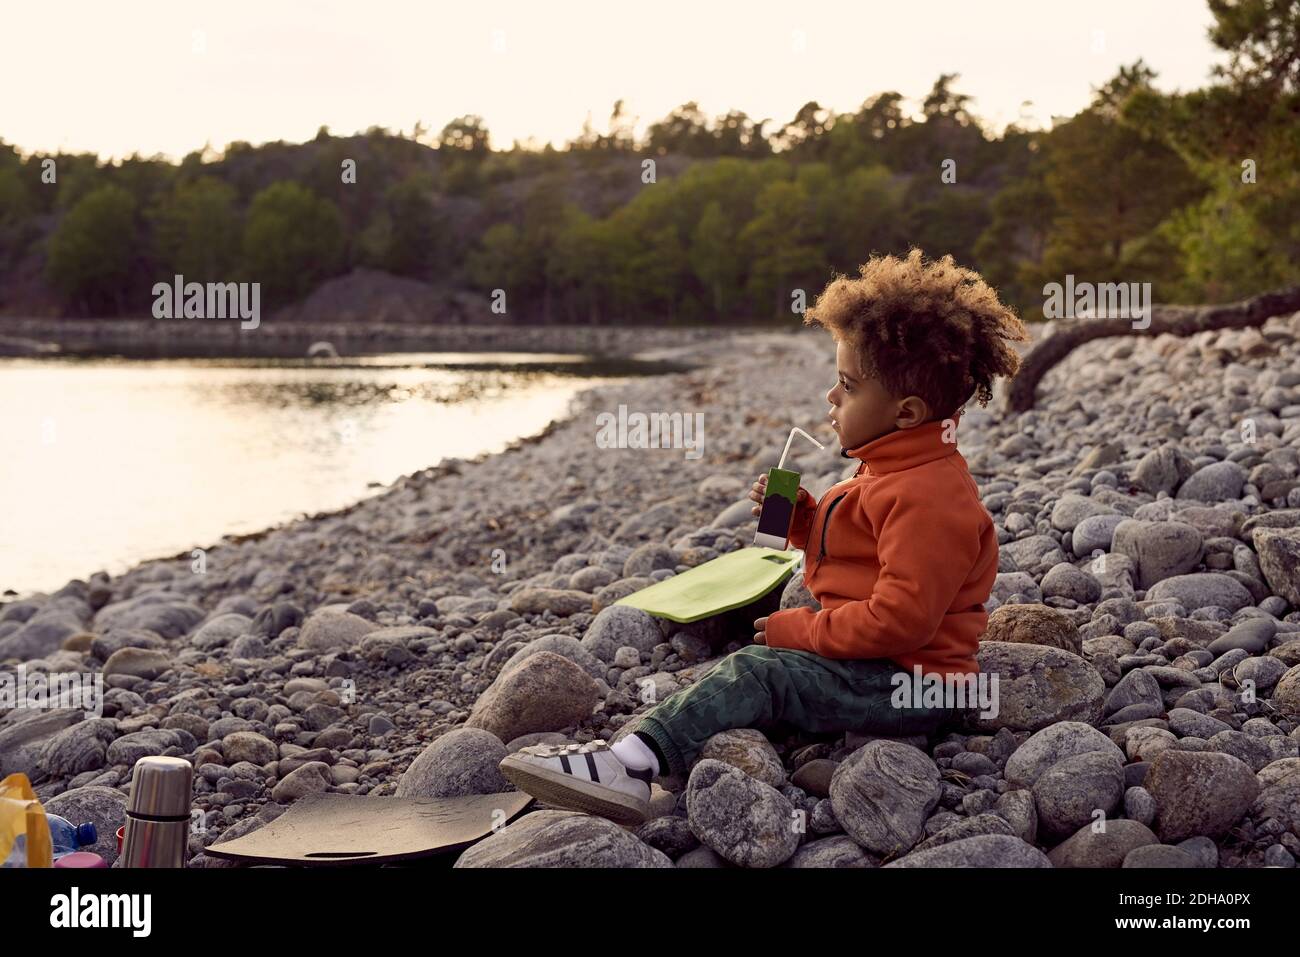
(861, 409)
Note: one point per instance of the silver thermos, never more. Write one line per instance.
(158, 813)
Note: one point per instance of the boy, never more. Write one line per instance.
(901, 556)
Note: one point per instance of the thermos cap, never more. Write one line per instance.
(161, 787)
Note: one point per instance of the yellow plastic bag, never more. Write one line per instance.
(22, 815)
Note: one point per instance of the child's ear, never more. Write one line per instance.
(912, 411)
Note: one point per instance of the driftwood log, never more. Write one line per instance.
(1179, 320)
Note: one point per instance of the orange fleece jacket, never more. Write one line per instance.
(901, 556)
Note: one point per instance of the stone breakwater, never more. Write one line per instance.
(1144, 631)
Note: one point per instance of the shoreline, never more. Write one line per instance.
(195, 338)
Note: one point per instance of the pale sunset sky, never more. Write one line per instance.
(168, 76)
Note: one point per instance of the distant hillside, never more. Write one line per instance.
(715, 220)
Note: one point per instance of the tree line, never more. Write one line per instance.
(710, 219)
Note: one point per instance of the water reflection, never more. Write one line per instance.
(113, 461)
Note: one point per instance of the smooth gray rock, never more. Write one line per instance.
(463, 761)
(130, 748)
(566, 646)
(147, 663)
(1052, 745)
(1279, 559)
(1038, 687)
(1159, 550)
(1162, 470)
(837, 851)
(883, 793)
(543, 693)
(1138, 687)
(169, 614)
(748, 750)
(329, 630)
(1219, 482)
(1069, 793)
(1264, 673)
(1158, 855)
(747, 822)
(1103, 844)
(221, 630)
(562, 839)
(1067, 581)
(1201, 590)
(1251, 635)
(1139, 806)
(82, 747)
(310, 778)
(619, 626)
(1017, 808)
(102, 806)
(1095, 533)
(989, 850)
(1199, 793)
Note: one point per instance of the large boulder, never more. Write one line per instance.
(102, 806)
(1201, 590)
(747, 822)
(1198, 793)
(1037, 686)
(1070, 793)
(882, 795)
(543, 693)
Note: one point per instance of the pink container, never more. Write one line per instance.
(80, 859)
(121, 836)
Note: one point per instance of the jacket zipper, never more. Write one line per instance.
(826, 521)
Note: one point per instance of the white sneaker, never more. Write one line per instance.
(585, 777)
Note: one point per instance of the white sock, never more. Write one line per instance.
(635, 753)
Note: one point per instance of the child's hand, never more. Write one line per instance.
(760, 631)
(756, 492)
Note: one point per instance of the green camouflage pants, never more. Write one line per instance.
(758, 687)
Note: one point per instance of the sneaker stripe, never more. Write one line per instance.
(591, 767)
(564, 761)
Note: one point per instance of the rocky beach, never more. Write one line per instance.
(1144, 629)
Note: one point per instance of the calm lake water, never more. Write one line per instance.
(112, 461)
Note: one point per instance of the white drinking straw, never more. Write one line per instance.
(791, 439)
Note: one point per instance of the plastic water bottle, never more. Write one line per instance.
(65, 837)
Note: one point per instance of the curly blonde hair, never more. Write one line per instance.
(927, 328)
